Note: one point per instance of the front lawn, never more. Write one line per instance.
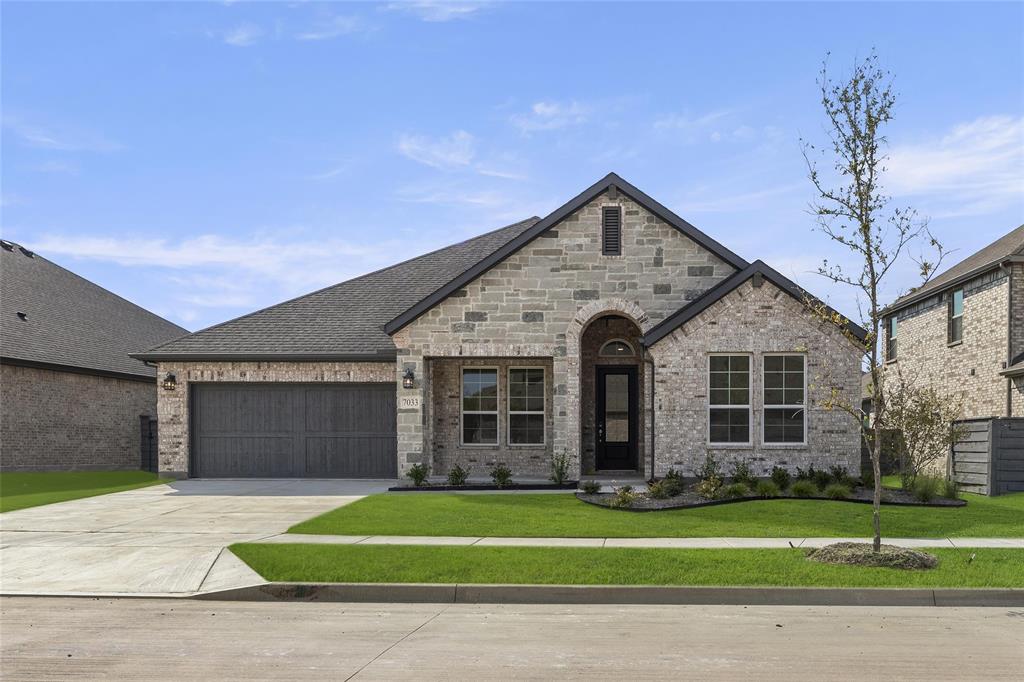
(565, 516)
(593, 566)
(19, 490)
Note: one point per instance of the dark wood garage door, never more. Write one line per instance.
(293, 431)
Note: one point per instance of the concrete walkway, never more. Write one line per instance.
(164, 539)
(676, 543)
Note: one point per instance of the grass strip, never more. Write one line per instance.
(20, 490)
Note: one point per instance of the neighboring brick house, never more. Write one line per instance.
(963, 331)
(70, 395)
(611, 332)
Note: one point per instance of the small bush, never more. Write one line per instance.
(741, 473)
(867, 477)
(926, 488)
(709, 488)
(559, 469)
(590, 487)
(624, 497)
(804, 488)
(502, 476)
(837, 491)
(950, 489)
(418, 474)
(664, 489)
(766, 488)
(839, 474)
(781, 477)
(736, 490)
(673, 475)
(821, 478)
(709, 469)
(457, 475)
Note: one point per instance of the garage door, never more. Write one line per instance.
(293, 431)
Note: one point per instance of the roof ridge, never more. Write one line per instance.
(347, 281)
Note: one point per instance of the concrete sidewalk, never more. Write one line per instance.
(673, 543)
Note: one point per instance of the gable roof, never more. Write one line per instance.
(723, 288)
(50, 316)
(1007, 247)
(341, 322)
(552, 219)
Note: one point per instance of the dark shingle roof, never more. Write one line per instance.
(70, 321)
(1007, 246)
(344, 320)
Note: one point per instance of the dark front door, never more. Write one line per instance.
(616, 418)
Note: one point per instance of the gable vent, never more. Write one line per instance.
(611, 231)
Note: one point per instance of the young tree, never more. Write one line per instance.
(852, 210)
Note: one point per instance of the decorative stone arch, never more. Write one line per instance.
(568, 401)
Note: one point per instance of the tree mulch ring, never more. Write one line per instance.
(863, 554)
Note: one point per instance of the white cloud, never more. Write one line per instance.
(977, 167)
(548, 115)
(333, 28)
(453, 151)
(59, 167)
(242, 35)
(701, 201)
(686, 122)
(56, 137)
(437, 10)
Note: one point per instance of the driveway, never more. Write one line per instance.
(159, 540)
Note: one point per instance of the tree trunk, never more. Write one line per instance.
(876, 466)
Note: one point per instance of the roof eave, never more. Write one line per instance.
(381, 356)
(911, 299)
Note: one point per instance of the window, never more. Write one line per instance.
(890, 352)
(956, 316)
(479, 406)
(729, 399)
(526, 406)
(611, 231)
(785, 414)
(616, 348)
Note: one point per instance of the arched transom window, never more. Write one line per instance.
(616, 348)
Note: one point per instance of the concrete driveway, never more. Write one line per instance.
(163, 539)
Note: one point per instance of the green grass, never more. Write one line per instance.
(585, 566)
(19, 490)
(565, 516)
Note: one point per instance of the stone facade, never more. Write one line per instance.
(173, 409)
(52, 420)
(971, 367)
(755, 320)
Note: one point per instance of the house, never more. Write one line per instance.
(611, 332)
(70, 395)
(963, 333)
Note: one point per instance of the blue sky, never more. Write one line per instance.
(205, 160)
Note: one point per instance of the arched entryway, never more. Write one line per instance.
(611, 396)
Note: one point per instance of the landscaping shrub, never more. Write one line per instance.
(950, 489)
(418, 474)
(821, 478)
(781, 477)
(624, 497)
(741, 473)
(457, 475)
(837, 491)
(659, 490)
(736, 490)
(766, 488)
(867, 477)
(673, 475)
(501, 475)
(804, 488)
(559, 469)
(926, 488)
(709, 469)
(839, 474)
(590, 487)
(709, 488)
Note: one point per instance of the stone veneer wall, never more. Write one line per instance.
(1017, 336)
(445, 391)
(172, 406)
(970, 367)
(756, 321)
(53, 420)
(537, 302)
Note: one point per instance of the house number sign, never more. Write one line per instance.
(408, 402)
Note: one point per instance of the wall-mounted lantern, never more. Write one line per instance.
(408, 379)
(170, 381)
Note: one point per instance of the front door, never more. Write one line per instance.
(616, 418)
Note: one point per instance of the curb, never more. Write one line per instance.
(616, 594)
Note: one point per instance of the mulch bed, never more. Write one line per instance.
(689, 499)
(570, 485)
(862, 554)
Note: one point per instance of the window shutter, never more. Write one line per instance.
(611, 231)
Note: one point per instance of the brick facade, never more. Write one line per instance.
(62, 420)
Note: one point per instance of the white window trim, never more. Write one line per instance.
(509, 412)
(463, 413)
(749, 406)
(889, 338)
(952, 317)
(765, 406)
(632, 350)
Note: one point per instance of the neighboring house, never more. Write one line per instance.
(963, 331)
(611, 332)
(70, 395)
